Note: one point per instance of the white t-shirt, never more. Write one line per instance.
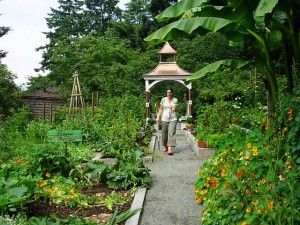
(168, 113)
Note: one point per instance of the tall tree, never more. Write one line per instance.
(157, 6)
(264, 26)
(76, 18)
(98, 13)
(9, 93)
(64, 22)
(3, 31)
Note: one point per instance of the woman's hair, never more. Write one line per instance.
(171, 89)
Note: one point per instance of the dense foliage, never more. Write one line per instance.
(268, 29)
(253, 177)
(33, 168)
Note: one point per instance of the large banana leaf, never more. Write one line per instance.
(208, 11)
(188, 26)
(213, 67)
(178, 9)
(264, 7)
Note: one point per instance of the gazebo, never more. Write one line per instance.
(167, 71)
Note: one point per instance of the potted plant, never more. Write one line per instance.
(200, 138)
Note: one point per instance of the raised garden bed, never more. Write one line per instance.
(201, 153)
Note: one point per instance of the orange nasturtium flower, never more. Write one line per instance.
(223, 173)
(227, 184)
(245, 223)
(270, 205)
(240, 173)
(198, 200)
(214, 183)
(47, 174)
(248, 210)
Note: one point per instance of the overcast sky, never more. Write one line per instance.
(27, 22)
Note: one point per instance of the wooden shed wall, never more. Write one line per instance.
(42, 107)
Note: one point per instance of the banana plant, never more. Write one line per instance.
(267, 27)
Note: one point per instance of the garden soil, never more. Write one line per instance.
(170, 199)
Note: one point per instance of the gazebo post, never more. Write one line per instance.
(190, 103)
(148, 104)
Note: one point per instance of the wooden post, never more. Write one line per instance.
(97, 98)
(50, 113)
(147, 104)
(44, 110)
(189, 103)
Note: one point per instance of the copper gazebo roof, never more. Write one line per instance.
(167, 70)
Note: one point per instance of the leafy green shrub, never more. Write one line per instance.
(17, 184)
(190, 120)
(129, 172)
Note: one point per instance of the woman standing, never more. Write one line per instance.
(167, 115)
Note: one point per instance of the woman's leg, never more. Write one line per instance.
(172, 134)
(164, 134)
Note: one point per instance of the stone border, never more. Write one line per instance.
(139, 196)
(137, 203)
(201, 153)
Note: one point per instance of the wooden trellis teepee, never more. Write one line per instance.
(77, 105)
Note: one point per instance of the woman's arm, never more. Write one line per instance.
(159, 113)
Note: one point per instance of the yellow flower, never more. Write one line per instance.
(223, 173)
(206, 185)
(249, 145)
(247, 155)
(270, 205)
(248, 210)
(263, 181)
(281, 178)
(233, 149)
(47, 174)
(255, 202)
(245, 223)
(208, 178)
(203, 192)
(283, 132)
(43, 183)
(255, 151)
